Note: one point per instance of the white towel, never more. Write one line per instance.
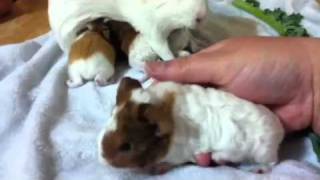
(48, 132)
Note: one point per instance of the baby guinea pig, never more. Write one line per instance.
(171, 123)
(91, 57)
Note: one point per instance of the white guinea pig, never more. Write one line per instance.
(170, 123)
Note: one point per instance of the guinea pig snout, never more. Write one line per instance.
(116, 151)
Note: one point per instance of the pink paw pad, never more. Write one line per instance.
(204, 159)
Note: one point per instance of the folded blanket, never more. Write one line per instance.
(48, 131)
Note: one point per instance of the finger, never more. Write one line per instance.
(199, 68)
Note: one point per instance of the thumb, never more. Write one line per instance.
(199, 68)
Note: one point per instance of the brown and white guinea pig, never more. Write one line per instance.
(91, 57)
(171, 123)
(137, 48)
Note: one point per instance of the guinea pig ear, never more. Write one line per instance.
(125, 88)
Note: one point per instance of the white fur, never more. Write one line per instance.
(210, 120)
(140, 51)
(97, 67)
(154, 19)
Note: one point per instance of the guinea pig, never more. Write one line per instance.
(153, 19)
(137, 48)
(91, 57)
(171, 123)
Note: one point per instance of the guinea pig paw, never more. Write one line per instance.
(258, 168)
(203, 159)
(159, 169)
(101, 80)
(183, 53)
(74, 84)
(222, 162)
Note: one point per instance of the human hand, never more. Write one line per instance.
(276, 72)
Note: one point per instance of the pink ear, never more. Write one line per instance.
(125, 88)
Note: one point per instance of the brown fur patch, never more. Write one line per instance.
(88, 45)
(125, 88)
(143, 134)
(127, 41)
(125, 34)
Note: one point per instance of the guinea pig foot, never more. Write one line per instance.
(159, 169)
(74, 84)
(258, 168)
(101, 80)
(183, 53)
(203, 159)
(222, 162)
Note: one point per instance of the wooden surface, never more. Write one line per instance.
(28, 20)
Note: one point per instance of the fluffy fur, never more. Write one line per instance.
(180, 121)
(140, 51)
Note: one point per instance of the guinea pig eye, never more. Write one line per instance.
(198, 20)
(125, 147)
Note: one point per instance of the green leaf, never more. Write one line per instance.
(260, 14)
(254, 3)
(284, 24)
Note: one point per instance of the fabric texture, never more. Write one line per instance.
(48, 131)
